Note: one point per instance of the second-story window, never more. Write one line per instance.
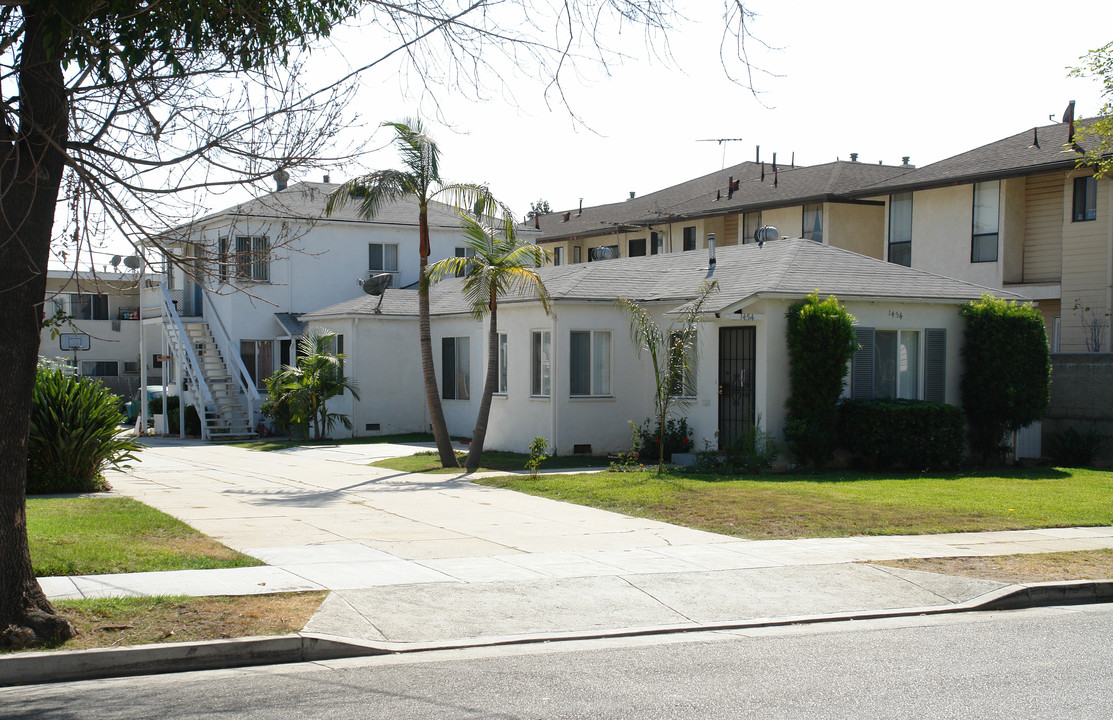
(987, 205)
(1085, 199)
(636, 247)
(252, 260)
(751, 222)
(82, 306)
(690, 238)
(558, 256)
(813, 222)
(900, 229)
(382, 258)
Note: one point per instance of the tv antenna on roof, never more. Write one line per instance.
(376, 285)
(722, 141)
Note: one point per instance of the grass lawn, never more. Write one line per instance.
(841, 504)
(428, 462)
(115, 622)
(284, 443)
(101, 535)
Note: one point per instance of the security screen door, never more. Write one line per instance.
(737, 364)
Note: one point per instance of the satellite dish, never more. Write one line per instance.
(766, 233)
(114, 262)
(133, 262)
(376, 285)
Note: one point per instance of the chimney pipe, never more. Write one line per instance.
(326, 178)
(711, 250)
(281, 177)
(730, 187)
(853, 157)
(631, 195)
(757, 153)
(905, 159)
(581, 210)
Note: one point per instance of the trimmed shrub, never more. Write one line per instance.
(73, 435)
(1071, 448)
(820, 339)
(678, 439)
(753, 453)
(1007, 371)
(914, 435)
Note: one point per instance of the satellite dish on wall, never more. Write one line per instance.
(115, 262)
(133, 262)
(376, 285)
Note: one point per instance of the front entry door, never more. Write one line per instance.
(737, 369)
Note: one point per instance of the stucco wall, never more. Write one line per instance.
(1087, 266)
(858, 228)
(942, 225)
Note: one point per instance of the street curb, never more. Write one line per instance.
(62, 666)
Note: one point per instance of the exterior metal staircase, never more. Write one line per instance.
(216, 375)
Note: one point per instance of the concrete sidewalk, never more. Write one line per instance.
(420, 559)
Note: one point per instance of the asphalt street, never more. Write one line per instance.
(1038, 663)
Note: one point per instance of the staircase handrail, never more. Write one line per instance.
(231, 356)
(175, 322)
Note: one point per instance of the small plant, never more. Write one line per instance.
(751, 454)
(538, 447)
(677, 438)
(73, 434)
(1093, 326)
(1071, 448)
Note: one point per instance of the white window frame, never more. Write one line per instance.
(541, 363)
(986, 222)
(501, 372)
(899, 392)
(599, 363)
(386, 264)
(456, 364)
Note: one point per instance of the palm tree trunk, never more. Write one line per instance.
(475, 452)
(30, 173)
(432, 396)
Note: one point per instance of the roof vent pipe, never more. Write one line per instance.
(281, 177)
(853, 157)
(581, 210)
(710, 250)
(904, 160)
(631, 195)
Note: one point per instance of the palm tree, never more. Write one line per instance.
(673, 353)
(500, 265)
(306, 387)
(420, 179)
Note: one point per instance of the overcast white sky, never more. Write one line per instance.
(881, 78)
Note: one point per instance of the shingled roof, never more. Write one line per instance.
(784, 268)
(307, 201)
(759, 187)
(1038, 150)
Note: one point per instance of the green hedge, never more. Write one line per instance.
(911, 434)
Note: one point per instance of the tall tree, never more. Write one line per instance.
(420, 179)
(500, 264)
(673, 354)
(127, 110)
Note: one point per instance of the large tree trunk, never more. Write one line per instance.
(432, 397)
(475, 452)
(30, 174)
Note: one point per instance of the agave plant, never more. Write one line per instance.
(74, 434)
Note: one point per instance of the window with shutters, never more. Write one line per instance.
(906, 364)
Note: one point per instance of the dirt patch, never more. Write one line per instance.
(117, 622)
(1039, 567)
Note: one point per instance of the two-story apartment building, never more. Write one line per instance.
(229, 311)
(815, 203)
(1015, 214)
(100, 333)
